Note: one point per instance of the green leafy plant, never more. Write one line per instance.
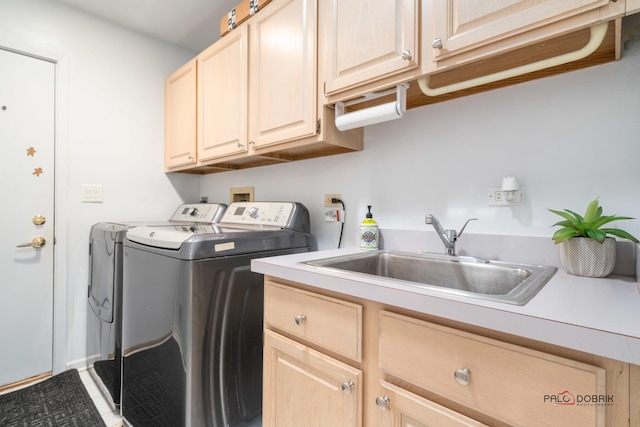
(588, 225)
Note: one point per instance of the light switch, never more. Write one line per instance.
(91, 193)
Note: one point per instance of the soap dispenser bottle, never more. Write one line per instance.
(369, 232)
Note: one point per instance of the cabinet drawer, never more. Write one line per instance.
(333, 324)
(510, 383)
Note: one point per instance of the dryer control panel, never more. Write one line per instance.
(274, 214)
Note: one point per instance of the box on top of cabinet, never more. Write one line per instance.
(243, 11)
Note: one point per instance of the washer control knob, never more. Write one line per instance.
(192, 211)
(254, 212)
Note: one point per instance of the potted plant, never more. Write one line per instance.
(585, 249)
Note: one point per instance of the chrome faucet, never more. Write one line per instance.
(448, 237)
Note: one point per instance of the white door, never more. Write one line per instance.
(27, 87)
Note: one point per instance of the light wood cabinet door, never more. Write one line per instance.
(180, 117)
(461, 25)
(303, 387)
(282, 72)
(369, 40)
(222, 97)
(400, 408)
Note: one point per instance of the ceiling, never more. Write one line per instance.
(191, 24)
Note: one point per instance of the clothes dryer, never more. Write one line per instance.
(104, 316)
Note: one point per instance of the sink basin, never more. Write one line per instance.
(472, 277)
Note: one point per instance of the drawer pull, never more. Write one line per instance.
(383, 402)
(462, 376)
(348, 387)
(300, 318)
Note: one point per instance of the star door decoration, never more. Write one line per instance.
(31, 151)
(37, 171)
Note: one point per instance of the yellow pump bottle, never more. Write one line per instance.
(369, 232)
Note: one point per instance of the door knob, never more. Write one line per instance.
(37, 242)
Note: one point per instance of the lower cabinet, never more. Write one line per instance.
(336, 360)
(401, 408)
(303, 387)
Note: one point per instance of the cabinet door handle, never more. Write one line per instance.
(240, 145)
(383, 402)
(462, 376)
(300, 318)
(406, 55)
(437, 43)
(348, 387)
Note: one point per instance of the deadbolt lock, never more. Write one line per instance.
(39, 220)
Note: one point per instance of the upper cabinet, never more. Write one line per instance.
(372, 47)
(180, 118)
(458, 26)
(222, 100)
(264, 93)
(371, 40)
(258, 98)
(283, 86)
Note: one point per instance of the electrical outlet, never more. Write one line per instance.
(496, 198)
(328, 203)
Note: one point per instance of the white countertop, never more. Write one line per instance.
(598, 316)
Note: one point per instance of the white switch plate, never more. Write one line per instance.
(91, 193)
(496, 197)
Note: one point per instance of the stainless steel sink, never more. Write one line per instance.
(472, 277)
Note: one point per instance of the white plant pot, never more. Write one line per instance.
(583, 256)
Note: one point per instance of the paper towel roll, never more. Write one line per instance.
(369, 116)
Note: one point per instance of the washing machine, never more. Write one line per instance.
(192, 316)
(104, 318)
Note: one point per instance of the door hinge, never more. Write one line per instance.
(318, 125)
